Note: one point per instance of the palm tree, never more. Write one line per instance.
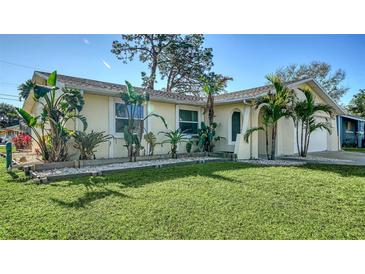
(212, 85)
(303, 115)
(274, 106)
(174, 137)
(25, 89)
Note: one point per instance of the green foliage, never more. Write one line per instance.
(303, 113)
(274, 105)
(26, 88)
(321, 72)
(213, 84)
(8, 115)
(86, 143)
(151, 140)
(189, 146)
(357, 104)
(148, 47)
(58, 107)
(183, 63)
(207, 137)
(133, 134)
(174, 137)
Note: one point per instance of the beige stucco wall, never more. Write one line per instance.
(223, 118)
(168, 111)
(96, 111)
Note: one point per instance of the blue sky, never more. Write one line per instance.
(246, 58)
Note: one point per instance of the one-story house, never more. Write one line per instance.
(234, 114)
(351, 131)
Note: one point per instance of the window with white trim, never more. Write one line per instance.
(188, 121)
(121, 116)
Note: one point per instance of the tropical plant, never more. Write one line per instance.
(212, 85)
(58, 107)
(207, 137)
(174, 137)
(275, 105)
(25, 89)
(189, 146)
(133, 131)
(86, 143)
(151, 141)
(303, 114)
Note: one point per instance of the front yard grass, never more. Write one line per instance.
(208, 201)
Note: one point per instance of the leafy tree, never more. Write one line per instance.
(134, 130)
(8, 115)
(25, 89)
(174, 137)
(183, 63)
(274, 106)
(148, 47)
(86, 143)
(303, 114)
(58, 107)
(357, 104)
(321, 72)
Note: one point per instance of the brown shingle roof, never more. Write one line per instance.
(115, 89)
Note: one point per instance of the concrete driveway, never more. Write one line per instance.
(333, 157)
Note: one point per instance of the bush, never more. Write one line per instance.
(22, 141)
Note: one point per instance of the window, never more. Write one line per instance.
(236, 125)
(121, 116)
(188, 121)
(348, 126)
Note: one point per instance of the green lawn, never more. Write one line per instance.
(354, 149)
(211, 201)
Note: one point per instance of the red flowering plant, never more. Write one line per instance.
(22, 141)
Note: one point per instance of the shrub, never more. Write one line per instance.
(22, 141)
(86, 143)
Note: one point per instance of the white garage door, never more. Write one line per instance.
(318, 139)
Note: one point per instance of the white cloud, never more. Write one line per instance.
(86, 42)
(106, 64)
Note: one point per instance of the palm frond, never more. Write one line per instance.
(250, 131)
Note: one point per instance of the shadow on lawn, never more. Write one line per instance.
(141, 177)
(88, 197)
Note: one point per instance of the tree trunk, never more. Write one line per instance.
(297, 130)
(267, 142)
(273, 142)
(306, 139)
(210, 109)
(301, 139)
(151, 81)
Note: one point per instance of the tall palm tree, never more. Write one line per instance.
(275, 105)
(212, 85)
(25, 89)
(303, 114)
